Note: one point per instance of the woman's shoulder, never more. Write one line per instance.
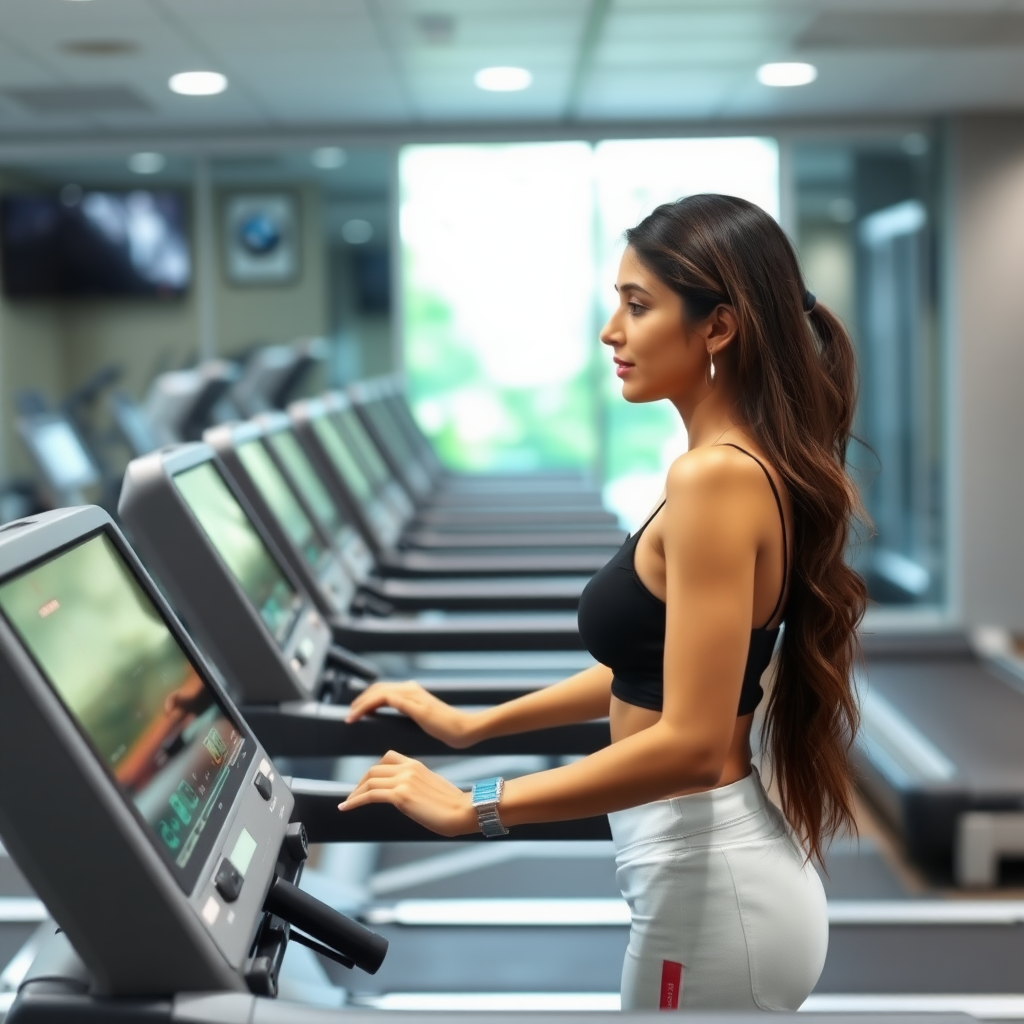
(711, 471)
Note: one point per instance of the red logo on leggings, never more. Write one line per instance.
(671, 985)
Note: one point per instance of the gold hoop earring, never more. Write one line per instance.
(709, 376)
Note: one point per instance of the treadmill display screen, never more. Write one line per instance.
(273, 487)
(240, 546)
(354, 430)
(154, 724)
(338, 452)
(391, 432)
(301, 470)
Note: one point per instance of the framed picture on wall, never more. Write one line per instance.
(261, 238)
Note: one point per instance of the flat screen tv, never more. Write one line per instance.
(103, 244)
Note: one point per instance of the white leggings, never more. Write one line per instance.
(727, 914)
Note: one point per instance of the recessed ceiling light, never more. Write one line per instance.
(198, 83)
(328, 158)
(147, 163)
(503, 79)
(357, 231)
(784, 75)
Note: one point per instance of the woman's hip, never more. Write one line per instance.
(717, 884)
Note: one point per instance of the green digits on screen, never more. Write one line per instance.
(215, 745)
(169, 833)
(183, 803)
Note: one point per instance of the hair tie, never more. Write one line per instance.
(810, 301)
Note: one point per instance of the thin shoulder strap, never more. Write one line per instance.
(647, 522)
(782, 517)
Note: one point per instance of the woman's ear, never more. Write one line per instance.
(720, 328)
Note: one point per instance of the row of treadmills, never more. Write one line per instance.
(307, 552)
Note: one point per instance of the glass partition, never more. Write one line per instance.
(865, 228)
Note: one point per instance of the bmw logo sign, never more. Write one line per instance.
(259, 234)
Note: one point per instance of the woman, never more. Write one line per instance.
(727, 911)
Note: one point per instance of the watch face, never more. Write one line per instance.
(487, 792)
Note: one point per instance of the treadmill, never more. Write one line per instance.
(279, 653)
(180, 403)
(332, 518)
(554, 488)
(404, 460)
(563, 535)
(185, 901)
(182, 505)
(132, 424)
(369, 480)
(163, 922)
(319, 547)
(272, 375)
(380, 524)
(60, 456)
(939, 750)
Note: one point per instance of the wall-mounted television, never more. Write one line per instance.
(94, 244)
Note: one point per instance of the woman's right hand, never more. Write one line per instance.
(450, 725)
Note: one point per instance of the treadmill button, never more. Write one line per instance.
(228, 881)
(263, 785)
(305, 650)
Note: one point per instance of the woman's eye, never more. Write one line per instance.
(635, 309)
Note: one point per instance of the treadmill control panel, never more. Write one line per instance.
(241, 547)
(156, 726)
(299, 631)
(172, 749)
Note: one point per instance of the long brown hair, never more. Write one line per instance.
(797, 385)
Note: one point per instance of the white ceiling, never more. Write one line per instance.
(331, 66)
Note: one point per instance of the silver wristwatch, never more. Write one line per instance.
(486, 795)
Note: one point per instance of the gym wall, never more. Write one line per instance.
(984, 244)
(55, 346)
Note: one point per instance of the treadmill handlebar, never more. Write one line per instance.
(366, 949)
(316, 805)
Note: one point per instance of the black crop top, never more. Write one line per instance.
(623, 625)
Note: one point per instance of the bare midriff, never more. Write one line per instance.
(628, 719)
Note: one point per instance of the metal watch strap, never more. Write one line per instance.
(486, 795)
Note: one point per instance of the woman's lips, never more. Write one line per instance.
(622, 367)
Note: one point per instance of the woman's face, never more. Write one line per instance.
(656, 353)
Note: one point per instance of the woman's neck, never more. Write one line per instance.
(709, 418)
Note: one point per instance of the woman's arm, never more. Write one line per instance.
(579, 698)
(710, 534)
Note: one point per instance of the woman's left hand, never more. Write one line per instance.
(418, 793)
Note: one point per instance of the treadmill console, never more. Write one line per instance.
(351, 428)
(313, 417)
(294, 463)
(59, 453)
(233, 588)
(310, 554)
(145, 813)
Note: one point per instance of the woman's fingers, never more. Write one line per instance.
(394, 695)
(394, 757)
(417, 792)
(431, 714)
(388, 767)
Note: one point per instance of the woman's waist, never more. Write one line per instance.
(735, 811)
(626, 719)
